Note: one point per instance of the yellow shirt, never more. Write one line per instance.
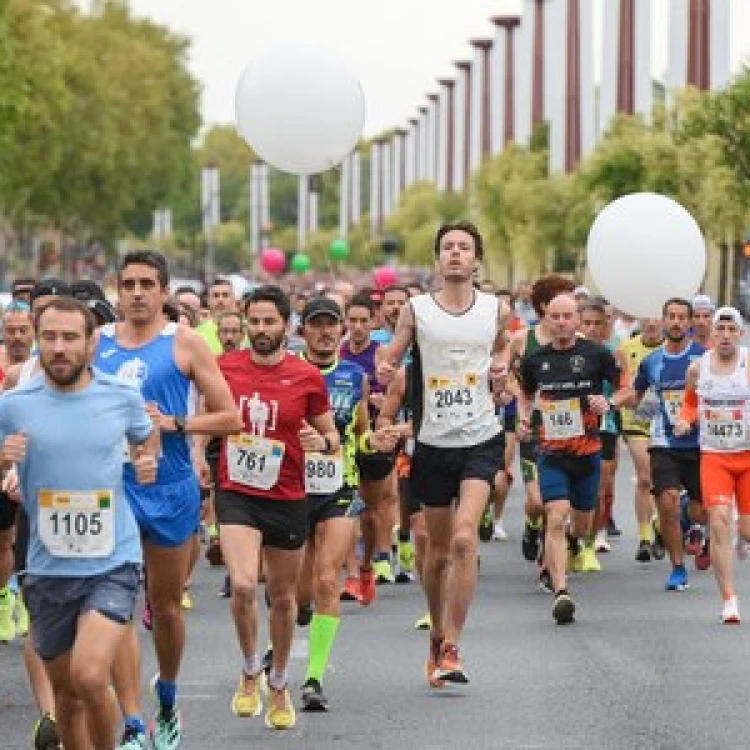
(634, 352)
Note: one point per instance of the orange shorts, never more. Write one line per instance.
(725, 476)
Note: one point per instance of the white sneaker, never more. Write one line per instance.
(498, 531)
(600, 541)
(730, 613)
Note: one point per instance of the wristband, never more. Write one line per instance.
(364, 443)
(328, 444)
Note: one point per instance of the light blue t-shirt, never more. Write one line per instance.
(74, 443)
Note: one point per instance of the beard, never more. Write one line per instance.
(63, 377)
(265, 344)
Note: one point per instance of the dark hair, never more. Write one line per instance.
(503, 292)
(147, 258)
(219, 281)
(185, 289)
(546, 288)
(463, 226)
(275, 296)
(23, 285)
(414, 285)
(361, 300)
(67, 304)
(677, 301)
(189, 313)
(396, 288)
(171, 309)
(593, 305)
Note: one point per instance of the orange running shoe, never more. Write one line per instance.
(449, 667)
(432, 663)
(351, 591)
(366, 586)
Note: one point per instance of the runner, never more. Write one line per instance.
(82, 576)
(261, 504)
(331, 483)
(526, 342)
(636, 429)
(220, 300)
(717, 395)
(167, 362)
(459, 334)
(674, 458)
(18, 328)
(568, 375)
(703, 312)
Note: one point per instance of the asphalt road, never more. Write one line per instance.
(640, 668)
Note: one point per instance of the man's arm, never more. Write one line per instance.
(394, 398)
(12, 376)
(323, 437)
(221, 415)
(689, 409)
(388, 356)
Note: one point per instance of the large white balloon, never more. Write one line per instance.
(644, 248)
(299, 108)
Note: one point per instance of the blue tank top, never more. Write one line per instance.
(665, 373)
(152, 369)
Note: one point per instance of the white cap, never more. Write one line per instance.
(581, 291)
(729, 313)
(703, 302)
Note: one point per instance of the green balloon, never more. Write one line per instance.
(339, 250)
(300, 263)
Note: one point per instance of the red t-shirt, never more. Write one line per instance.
(273, 401)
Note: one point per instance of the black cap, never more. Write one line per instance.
(321, 306)
(86, 290)
(50, 288)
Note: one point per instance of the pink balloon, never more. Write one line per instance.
(385, 276)
(273, 260)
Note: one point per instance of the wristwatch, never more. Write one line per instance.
(179, 424)
(328, 447)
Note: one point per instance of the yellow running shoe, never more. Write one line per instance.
(280, 713)
(22, 617)
(246, 700)
(424, 622)
(589, 561)
(187, 600)
(383, 571)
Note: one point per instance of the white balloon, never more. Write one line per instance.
(299, 108)
(643, 249)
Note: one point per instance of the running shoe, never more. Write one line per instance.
(148, 617)
(694, 540)
(213, 552)
(449, 667)
(366, 586)
(406, 562)
(280, 712)
(22, 617)
(246, 701)
(166, 730)
(600, 541)
(44, 736)
(703, 558)
(433, 657)
(564, 608)
(678, 579)
(187, 600)
(132, 739)
(486, 524)
(351, 591)
(313, 698)
(589, 561)
(383, 572)
(730, 612)
(424, 622)
(658, 548)
(304, 615)
(612, 528)
(643, 553)
(530, 541)
(7, 621)
(545, 581)
(575, 555)
(498, 533)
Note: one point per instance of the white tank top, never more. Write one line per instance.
(455, 353)
(724, 406)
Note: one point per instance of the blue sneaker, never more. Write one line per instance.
(678, 579)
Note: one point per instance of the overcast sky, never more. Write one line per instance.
(396, 47)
